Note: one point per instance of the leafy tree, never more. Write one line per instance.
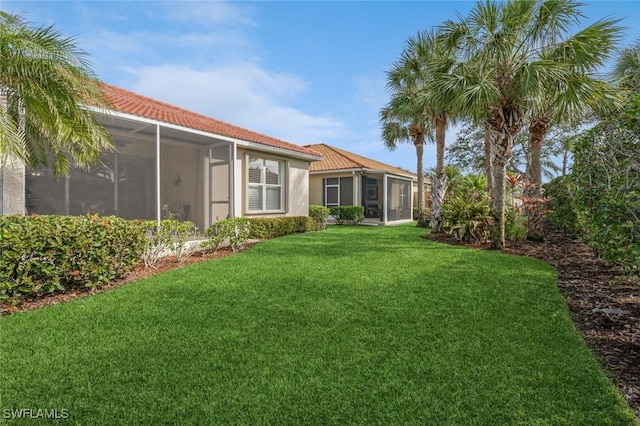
(467, 153)
(46, 84)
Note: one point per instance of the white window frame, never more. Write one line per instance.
(263, 185)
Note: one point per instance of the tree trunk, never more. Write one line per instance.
(440, 183)
(535, 217)
(438, 192)
(488, 160)
(505, 122)
(501, 150)
(422, 217)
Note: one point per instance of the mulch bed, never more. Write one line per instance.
(604, 303)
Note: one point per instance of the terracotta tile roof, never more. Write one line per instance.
(338, 159)
(131, 103)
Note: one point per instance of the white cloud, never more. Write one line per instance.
(241, 94)
(210, 12)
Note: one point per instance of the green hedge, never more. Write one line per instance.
(45, 254)
(319, 215)
(272, 227)
(348, 214)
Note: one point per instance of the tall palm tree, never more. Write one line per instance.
(403, 119)
(46, 85)
(501, 67)
(568, 101)
(417, 70)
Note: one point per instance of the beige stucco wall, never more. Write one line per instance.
(315, 190)
(13, 201)
(297, 196)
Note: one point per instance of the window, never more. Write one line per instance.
(265, 185)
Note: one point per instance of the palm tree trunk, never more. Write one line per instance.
(535, 217)
(422, 217)
(440, 183)
(501, 150)
(488, 160)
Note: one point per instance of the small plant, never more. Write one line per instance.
(319, 215)
(352, 215)
(468, 219)
(236, 230)
(158, 241)
(181, 233)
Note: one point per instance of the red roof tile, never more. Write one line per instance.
(338, 159)
(131, 103)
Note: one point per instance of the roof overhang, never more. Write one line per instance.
(363, 170)
(239, 142)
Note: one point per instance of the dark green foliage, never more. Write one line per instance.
(607, 192)
(352, 215)
(561, 207)
(320, 215)
(45, 254)
(272, 227)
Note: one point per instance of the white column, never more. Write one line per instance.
(158, 201)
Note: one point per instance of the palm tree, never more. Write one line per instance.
(417, 71)
(403, 119)
(627, 68)
(501, 67)
(568, 101)
(46, 85)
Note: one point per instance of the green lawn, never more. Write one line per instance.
(353, 325)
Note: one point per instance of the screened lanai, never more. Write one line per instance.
(157, 171)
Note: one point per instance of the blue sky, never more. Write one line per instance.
(306, 71)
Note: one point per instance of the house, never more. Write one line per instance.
(170, 163)
(341, 178)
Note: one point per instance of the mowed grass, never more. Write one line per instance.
(353, 325)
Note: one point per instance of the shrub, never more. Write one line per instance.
(348, 214)
(171, 236)
(45, 254)
(468, 219)
(181, 233)
(319, 215)
(272, 227)
(236, 230)
(606, 192)
(157, 243)
(561, 207)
